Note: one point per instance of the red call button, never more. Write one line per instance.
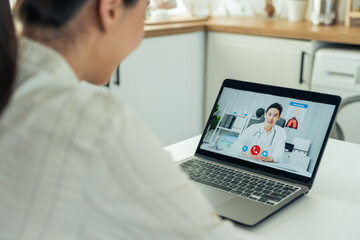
(255, 150)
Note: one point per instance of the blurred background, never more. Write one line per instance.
(241, 7)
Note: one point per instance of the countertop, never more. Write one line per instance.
(261, 27)
(174, 28)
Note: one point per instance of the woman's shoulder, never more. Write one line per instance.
(101, 103)
(116, 120)
(99, 115)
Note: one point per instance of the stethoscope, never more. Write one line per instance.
(272, 139)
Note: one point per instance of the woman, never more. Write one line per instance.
(8, 51)
(77, 164)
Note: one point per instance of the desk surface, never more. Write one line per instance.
(331, 210)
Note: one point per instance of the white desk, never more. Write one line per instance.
(324, 213)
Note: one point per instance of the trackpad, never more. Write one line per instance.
(215, 197)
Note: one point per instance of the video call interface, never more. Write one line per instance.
(273, 131)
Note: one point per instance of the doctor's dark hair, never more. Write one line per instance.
(53, 13)
(277, 106)
(8, 53)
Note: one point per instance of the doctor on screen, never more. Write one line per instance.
(264, 141)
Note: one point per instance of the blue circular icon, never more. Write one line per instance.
(245, 148)
(265, 153)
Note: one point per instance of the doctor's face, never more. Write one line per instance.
(272, 116)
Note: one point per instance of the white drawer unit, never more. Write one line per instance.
(337, 71)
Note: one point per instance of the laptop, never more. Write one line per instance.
(261, 148)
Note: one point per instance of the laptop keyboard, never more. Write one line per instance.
(267, 191)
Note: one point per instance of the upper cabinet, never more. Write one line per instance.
(274, 61)
(163, 82)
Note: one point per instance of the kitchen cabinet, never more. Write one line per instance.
(269, 60)
(162, 81)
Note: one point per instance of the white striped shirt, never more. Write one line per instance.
(77, 164)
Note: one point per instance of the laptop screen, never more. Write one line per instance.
(279, 132)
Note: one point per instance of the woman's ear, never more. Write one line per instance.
(109, 12)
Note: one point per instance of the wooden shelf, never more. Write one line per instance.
(354, 14)
(350, 14)
(282, 28)
(177, 19)
(174, 28)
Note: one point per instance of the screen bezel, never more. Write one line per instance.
(281, 92)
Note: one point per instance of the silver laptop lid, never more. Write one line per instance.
(272, 130)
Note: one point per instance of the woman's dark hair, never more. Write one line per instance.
(277, 106)
(53, 13)
(8, 53)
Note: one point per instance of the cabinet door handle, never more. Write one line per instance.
(301, 80)
(117, 81)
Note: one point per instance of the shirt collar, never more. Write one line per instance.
(46, 59)
(264, 131)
